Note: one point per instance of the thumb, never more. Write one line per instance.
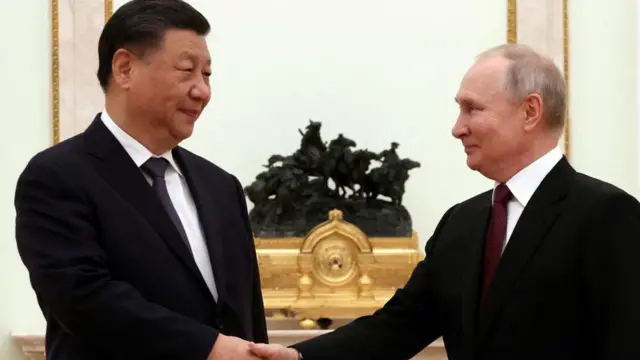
(263, 350)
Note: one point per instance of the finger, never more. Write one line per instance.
(263, 350)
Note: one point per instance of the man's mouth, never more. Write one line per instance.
(191, 113)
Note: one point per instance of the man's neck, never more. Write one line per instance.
(527, 158)
(142, 131)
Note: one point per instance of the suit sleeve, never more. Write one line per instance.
(58, 240)
(612, 280)
(258, 315)
(404, 326)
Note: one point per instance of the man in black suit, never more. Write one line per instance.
(545, 266)
(137, 248)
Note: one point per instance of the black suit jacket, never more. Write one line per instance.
(566, 287)
(111, 273)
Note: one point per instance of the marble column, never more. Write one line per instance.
(543, 25)
(76, 94)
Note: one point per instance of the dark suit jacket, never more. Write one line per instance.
(566, 287)
(111, 273)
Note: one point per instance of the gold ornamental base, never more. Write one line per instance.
(334, 272)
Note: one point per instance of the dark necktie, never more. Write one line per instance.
(496, 234)
(156, 167)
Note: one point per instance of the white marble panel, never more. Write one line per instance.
(542, 25)
(76, 92)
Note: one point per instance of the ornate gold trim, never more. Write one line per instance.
(55, 71)
(108, 10)
(334, 271)
(335, 224)
(565, 46)
(512, 38)
(512, 21)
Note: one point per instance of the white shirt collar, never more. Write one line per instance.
(523, 184)
(138, 153)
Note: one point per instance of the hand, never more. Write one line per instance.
(231, 348)
(273, 351)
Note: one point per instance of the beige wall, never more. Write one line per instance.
(407, 89)
(25, 103)
(604, 95)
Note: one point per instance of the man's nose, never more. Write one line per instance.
(460, 128)
(201, 91)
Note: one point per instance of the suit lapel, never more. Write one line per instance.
(534, 223)
(479, 218)
(118, 170)
(209, 214)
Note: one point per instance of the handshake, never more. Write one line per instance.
(233, 348)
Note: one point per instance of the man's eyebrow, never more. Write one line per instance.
(462, 100)
(192, 56)
(466, 101)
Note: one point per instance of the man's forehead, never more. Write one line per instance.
(185, 43)
(189, 53)
(487, 70)
(483, 78)
(468, 97)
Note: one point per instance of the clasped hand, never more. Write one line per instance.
(233, 348)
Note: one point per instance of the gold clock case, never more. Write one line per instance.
(336, 271)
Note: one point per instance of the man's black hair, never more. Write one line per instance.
(141, 25)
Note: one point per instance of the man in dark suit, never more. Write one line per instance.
(137, 248)
(545, 266)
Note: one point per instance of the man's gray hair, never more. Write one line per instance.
(531, 73)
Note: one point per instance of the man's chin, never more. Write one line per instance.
(183, 132)
(473, 163)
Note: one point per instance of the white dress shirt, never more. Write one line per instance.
(523, 184)
(179, 194)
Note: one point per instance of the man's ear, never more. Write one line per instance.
(122, 67)
(532, 107)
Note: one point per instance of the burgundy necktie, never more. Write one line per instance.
(496, 234)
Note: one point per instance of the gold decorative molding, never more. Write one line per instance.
(512, 38)
(55, 71)
(108, 9)
(55, 63)
(565, 47)
(512, 21)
